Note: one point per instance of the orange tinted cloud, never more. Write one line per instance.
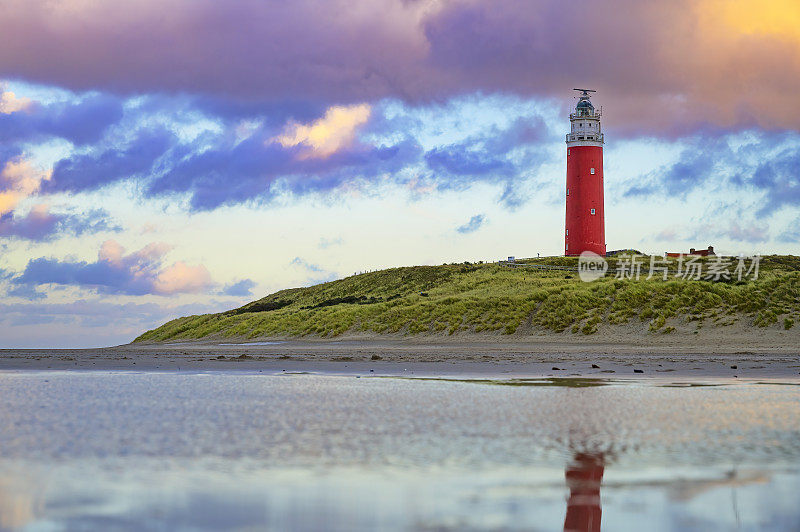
(182, 278)
(19, 179)
(144, 266)
(327, 135)
(772, 17)
(11, 103)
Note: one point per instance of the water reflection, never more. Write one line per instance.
(85, 451)
(17, 506)
(584, 476)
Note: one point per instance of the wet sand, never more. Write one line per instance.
(508, 357)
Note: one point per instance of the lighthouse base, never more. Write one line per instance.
(585, 219)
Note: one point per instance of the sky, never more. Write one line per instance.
(161, 159)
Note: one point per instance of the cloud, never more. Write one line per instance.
(11, 103)
(181, 278)
(732, 227)
(667, 235)
(228, 172)
(89, 171)
(297, 261)
(497, 152)
(779, 176)
(94, 308)
(81, 120)
(301, 48)
(232, 164)
(701, 160)
(41, 224)
(752, 233)
(230, 161)
(225, 170)
(239, 289)
(455, 160)
(325, 243)
(666, 67)
(762, 163)
(513, 195)
(25, 291)
(315, 274)
(474, 223)
(506, 155)
(19, 179)
(108, 323)
(115, 272)
(239, 161)
(791, 233)
(327, 135)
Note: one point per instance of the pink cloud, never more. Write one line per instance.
(145, 264)
(19, 179)
(140, 272)
(327, 135)
(182, 278)
(11, 103)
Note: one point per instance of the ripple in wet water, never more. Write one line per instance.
(308, 451)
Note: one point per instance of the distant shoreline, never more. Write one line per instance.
(510, 357)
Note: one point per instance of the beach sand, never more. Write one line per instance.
(627, 352)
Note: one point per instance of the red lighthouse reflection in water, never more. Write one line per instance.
(584, 476)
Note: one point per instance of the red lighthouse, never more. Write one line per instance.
(585, 227)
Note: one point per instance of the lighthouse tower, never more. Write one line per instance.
(585, 227)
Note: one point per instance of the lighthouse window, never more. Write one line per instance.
(567, 232)
(592, 171)
(567, 192)
(592, 211)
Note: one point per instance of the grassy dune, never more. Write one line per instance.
(494, 298)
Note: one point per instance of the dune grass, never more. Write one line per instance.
(495, 298)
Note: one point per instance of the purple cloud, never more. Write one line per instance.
(780, 177)
(115, 272)
(662, 66)
(103, 166)
(767, 163)
(111, 322)
(232, 172)
(94, 309)
(221, 167)
(498, 155)
(40, 224)
(239, 289)
(25, 291)
(82, 121)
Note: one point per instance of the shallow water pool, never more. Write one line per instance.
(209, 451)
